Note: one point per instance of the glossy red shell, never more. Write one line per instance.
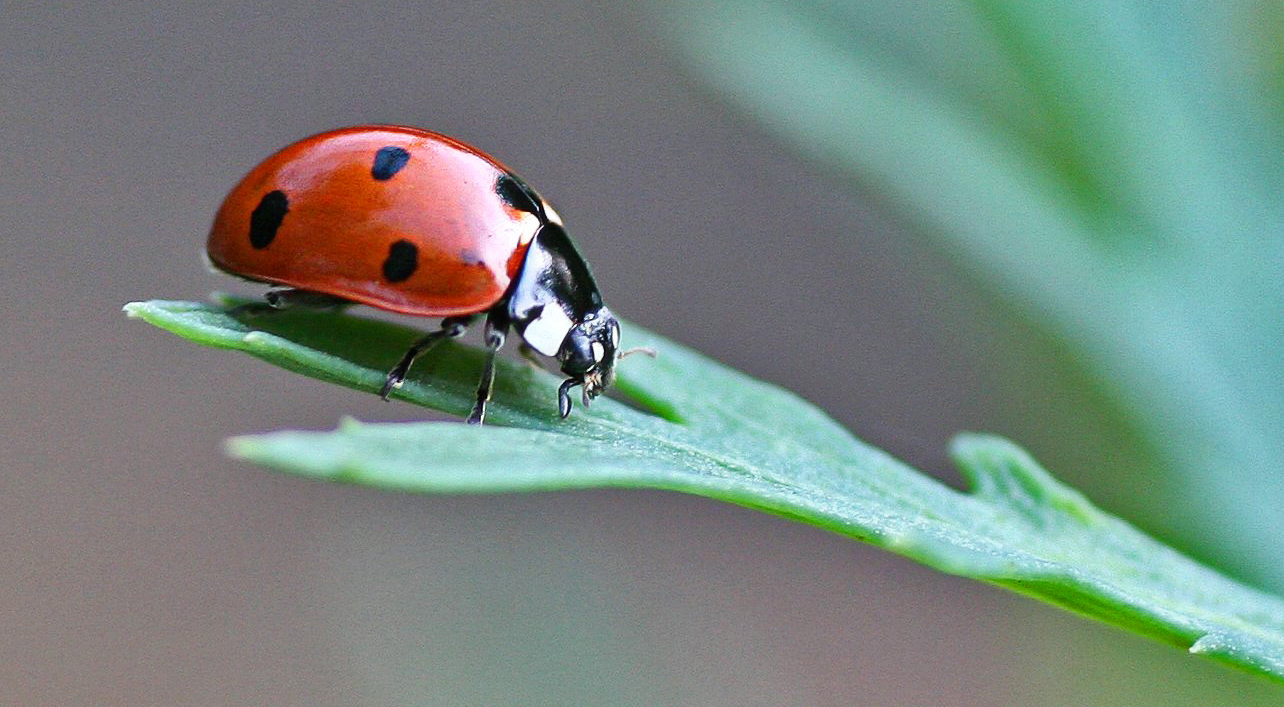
(340, 222)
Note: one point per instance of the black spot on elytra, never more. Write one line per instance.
(388, 161)
(266, 218)
(516, 194)
(403, 259)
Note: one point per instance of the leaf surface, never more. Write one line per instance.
(712, 431)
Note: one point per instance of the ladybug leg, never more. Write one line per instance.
(564, 396)
(496, 334)
(451, 328)
(287, 298)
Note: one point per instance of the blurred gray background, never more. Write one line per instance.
(141, 566)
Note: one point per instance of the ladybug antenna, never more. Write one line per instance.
(564, 396)
(639, 349)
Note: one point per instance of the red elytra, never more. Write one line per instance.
(337, 222)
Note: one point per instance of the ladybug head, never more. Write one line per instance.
(588, 356)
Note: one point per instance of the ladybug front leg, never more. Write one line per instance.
(451, 328)
(496, 335)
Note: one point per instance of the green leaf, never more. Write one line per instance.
(709, 430)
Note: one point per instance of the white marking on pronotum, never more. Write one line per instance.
(598, 351)
(546, 332)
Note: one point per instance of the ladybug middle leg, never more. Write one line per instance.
(496, 334)
(451, 328)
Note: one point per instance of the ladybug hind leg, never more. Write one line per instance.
(276, 300)
(451, 328)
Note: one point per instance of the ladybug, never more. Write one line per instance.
(418, 223)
